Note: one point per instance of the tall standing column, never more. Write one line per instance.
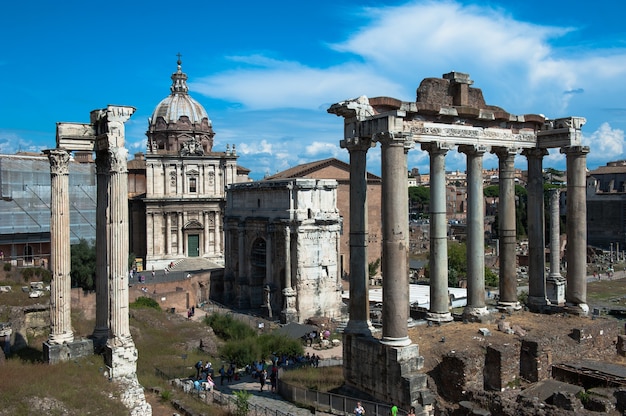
(60, 300)
(438, 262)
(537, 297)
(118, 248)
(475, 232)
(289, 314)
(395, 213)
(168, 233)
(101, 331)
(555, 284)
(576, 291)
(179, 227)
(359, 310)
(507, 230)
(217, 245)
(205, 233)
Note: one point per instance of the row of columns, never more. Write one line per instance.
(112, 232)
(395, 233)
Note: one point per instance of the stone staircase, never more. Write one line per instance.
(191, 264)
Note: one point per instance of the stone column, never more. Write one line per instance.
(507, 230)
(576, 291)
(118, 248)
(537, 298)
(289, 314)
(205, 234)
(359, 309)
(475, 232)
(179, 227)
(217, 230)
(60, 259)
(168, 233)
(101, 331)
(150, 233)
(395, 213)
(438, 262)
(555, 284)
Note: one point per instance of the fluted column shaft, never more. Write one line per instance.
(438, 262)
(101, 331)
(395, 214)
(168, 233)
(118, 247)
(537, 295)
(60, 259)
(576, 291)
(475, 231)
(555, 231)
(507, 229)
(359, 311)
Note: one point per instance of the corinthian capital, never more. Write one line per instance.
(59, 161)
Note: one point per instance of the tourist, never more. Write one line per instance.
(209, 383)
(359, 410)
(198, 368)
(262, 378)
(393, 411)
(222, 375)
(411, 412)
(274, 378)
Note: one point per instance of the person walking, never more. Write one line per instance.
(359, 410)
(393, 411)
(262, 378)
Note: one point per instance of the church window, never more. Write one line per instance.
(192, 185)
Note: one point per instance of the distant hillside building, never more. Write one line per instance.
(606, 206)
(336, 169)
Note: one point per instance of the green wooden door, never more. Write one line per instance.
(193, 245)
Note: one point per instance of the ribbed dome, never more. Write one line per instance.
(179, 103)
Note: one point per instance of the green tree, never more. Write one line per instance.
(419, 200)
(457, 262)
(242, 398)
(372, 268)
(83, 264)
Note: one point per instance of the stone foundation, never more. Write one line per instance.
(133, 397)
(56, 353)
(535, 360)
(458, 372)
(387, 373)
(121, 360)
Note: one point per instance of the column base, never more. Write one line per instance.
(121, 360)
(288, 315)
(538, 304)
(56, 353)
(59, 339)
(509, 306)
(359, 327)
(396, 342)
(580, 309)
(555, 288)
(475, 313)
(439, 317)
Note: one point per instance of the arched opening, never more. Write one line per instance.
(258, 268)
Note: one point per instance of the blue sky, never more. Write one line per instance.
(267, 71)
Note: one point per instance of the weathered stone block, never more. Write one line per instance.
(56, 353)
(621, 345)
(501, 367)
(535, 360)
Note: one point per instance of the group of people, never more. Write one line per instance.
(359, 410)
(204, 376)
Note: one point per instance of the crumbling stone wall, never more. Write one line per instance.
(501, 366)
(458, 372)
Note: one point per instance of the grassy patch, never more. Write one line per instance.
(322, 379)
(609, 293)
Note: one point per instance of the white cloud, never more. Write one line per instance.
(605, 143)
(316, 149)
(255, 148)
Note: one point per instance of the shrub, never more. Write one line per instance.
(228, 328)
(27, 274)
(144, 302)
(7, 267)
(242, 398)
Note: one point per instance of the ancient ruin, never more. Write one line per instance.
(448, 113)
(104, 135)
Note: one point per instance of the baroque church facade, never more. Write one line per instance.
(178, 189)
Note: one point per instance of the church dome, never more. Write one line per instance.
(179, 119)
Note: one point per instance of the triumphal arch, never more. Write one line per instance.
(450, 115)
(104, 134)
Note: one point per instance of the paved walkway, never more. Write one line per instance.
(263, 398)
